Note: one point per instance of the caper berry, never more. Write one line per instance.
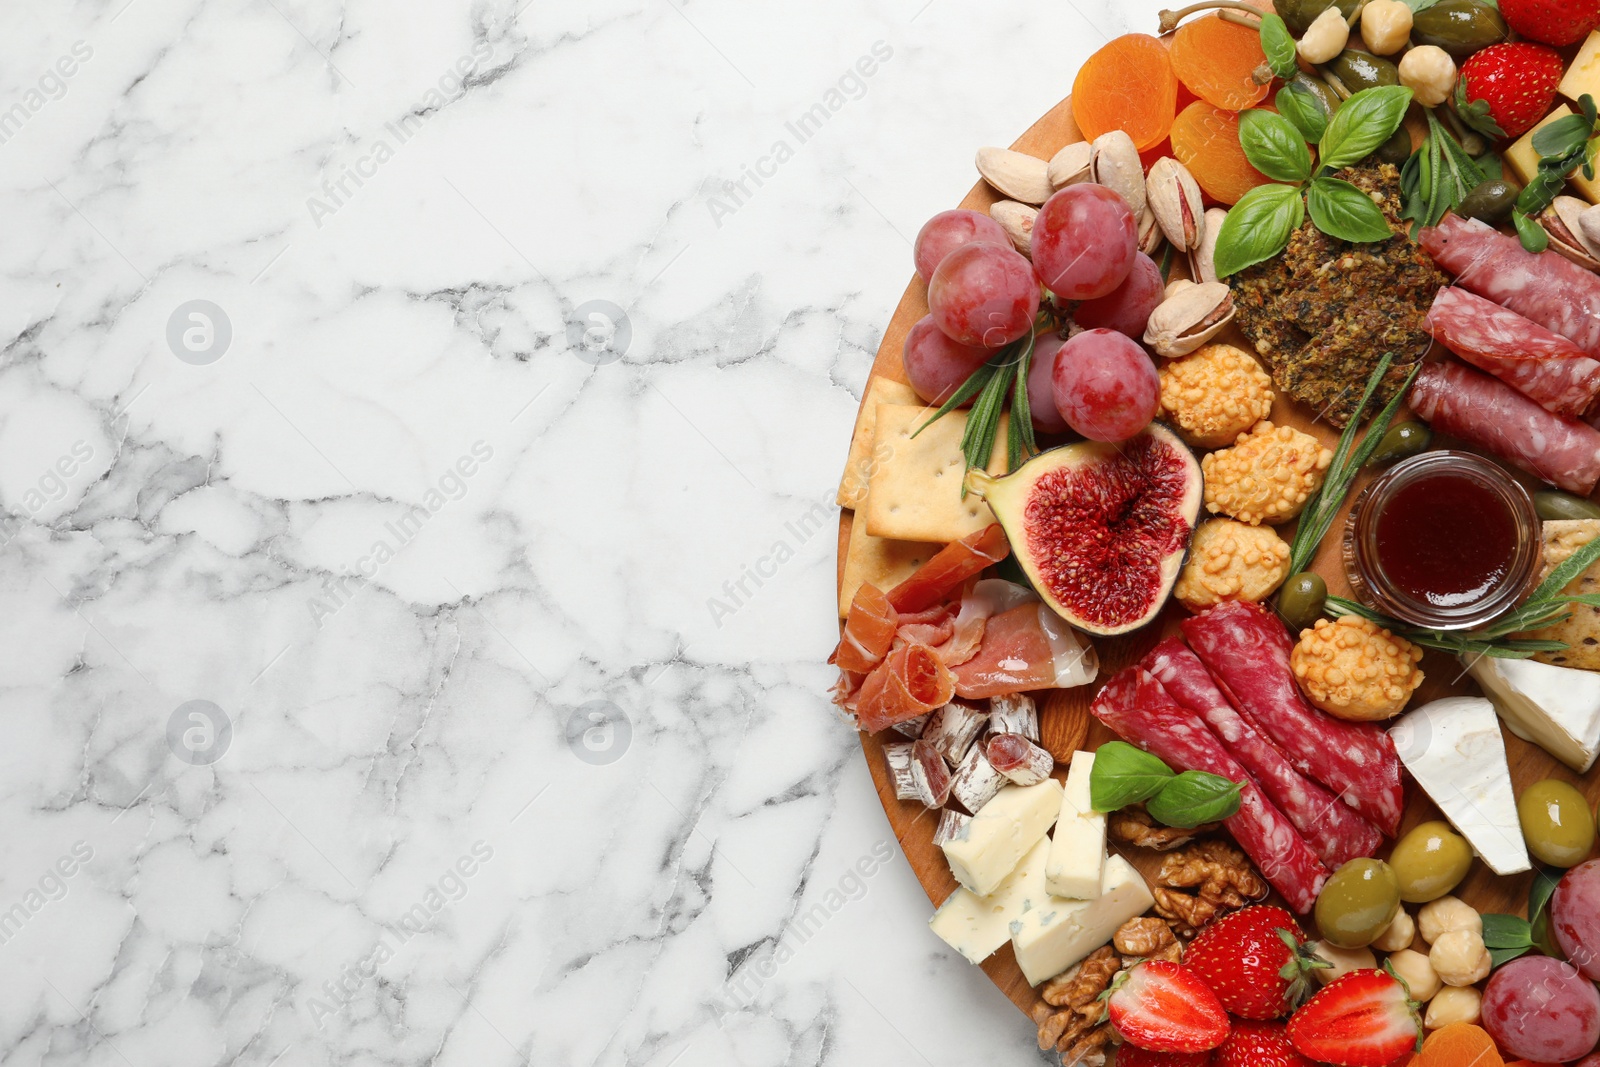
(1300, 14)
(1396, 150)
(1490, 200)
(1460, 27)
(1552, 504)
(1556, 823)
(1402, 441)
(1358, 903)
(1360, 70)
(1301, 599)
(1430, 861)
(1319, 88)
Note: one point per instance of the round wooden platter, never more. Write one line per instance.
(1066, 724)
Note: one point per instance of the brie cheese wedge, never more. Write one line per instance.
(1556, 708)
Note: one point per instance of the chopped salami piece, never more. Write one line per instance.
(930, 775)
(1246, 648)
(911, 681)
(1019, 759)
(1543, 366)
(975, 782)
(949, 567)
(952, 824)
(953, 728)
(1335, 832)
(1554, 292)
(912, 728)
(1138, 708)
(1014, 713)
(1460, 401)
(898, 759)
(1026, 648)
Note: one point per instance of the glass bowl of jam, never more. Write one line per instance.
(1444, 541)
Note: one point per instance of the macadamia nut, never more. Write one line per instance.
(1325, 37)
(1430, 74)
(1440, 916)
(1454, 1004)
(1344, 960)
(1385, 26)
(1459, 958)
(1399, 935)
(1416, 971)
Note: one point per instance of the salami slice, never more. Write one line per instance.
(1496, 418)
(1543, 366)
(1136, 706)
(1247, 648)
(1554, 292)
(1335, 832)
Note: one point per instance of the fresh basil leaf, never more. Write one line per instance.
(1545, 880)
(1341, 210)
(1273, 146)
(1362, 123)
(1506, 931)
(1562, 136)
(1124, 775)
(1258, 227)
(1194, 798)
(1305, 109)
(1534, 239)
(1278, 44)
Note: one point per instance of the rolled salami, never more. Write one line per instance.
(1543, 366)
(1246, 648)
(1459, 401)
(1335, 832)
(1554, 292)
(1136, 706)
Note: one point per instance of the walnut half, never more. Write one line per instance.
(1072, 1012)
(1132, 826)
(1147, 938)
(1219, 873)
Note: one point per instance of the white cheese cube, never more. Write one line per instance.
(1078, 847)
(1557, 708)
(1059, 933)
(1001, 833)
(975, 926)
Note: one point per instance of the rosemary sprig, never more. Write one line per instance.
(1437, 177)
(1005, 373)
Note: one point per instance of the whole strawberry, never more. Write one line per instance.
(1363, 1019)
(1557, 22)
(1259, 1044)
(1163, 1007)
(1505, 89)
(1254, 961)
(1134, 1056)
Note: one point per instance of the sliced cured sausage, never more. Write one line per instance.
(1336, 833)
(1543, 366)
(1246, 648)
(1554, 292)
(1138, 708)
(1493, 416)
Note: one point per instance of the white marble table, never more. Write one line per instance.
(388, 390)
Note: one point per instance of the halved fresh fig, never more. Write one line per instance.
(1101, 529)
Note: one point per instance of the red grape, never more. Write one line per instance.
(1575, 917)
(1084, 241)
(948, 231)
(984, 295)
(1537, 1008)
(937, 365)
(1126, 308)
(1105, 386)
(1041, 394)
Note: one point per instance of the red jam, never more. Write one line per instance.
(1446, 539)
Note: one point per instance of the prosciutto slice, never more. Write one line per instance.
(868, 631)
(1336, 833)
(1554, 292)
(1543, 366)
(949, 567)
(1025, 648)
(1460, 401)
(1136, 706)
(1247, 649)
(910, 681)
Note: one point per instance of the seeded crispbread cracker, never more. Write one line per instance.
(879, 560)
(915, 490)
(1581, 632)
(857, 466)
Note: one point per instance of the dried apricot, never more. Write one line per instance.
(1206, 140)
(1127, 85)
(1217, 61)
(1460, 1043)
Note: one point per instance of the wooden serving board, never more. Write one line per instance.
(1065, 721)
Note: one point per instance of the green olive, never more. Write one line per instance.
(1300, 14)
(1362, 70)
(1490, 200)
(1396, 150)
(1556, 822)
(1301, 599)
(1552, 504)
(1460, 27)
(1402, 441)
(1358, 903)
(1430, 861)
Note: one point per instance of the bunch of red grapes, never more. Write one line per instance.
(983, 295)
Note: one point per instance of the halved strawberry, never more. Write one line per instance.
(1363, 1019)
(1253, 960)
(1259, 1044)
(1163, 1007)
(1505, 89)
(1557, 22)
(1134, 1056)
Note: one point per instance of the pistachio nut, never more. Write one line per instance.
(1189, 318)
(1589, 225)
(1175, 196)
(1070, 165)
(1176, 286)
(1562, 221)
(1017, 220)
(1202, 260)
(1116, 165)
(1149, 232)
(1017, 176)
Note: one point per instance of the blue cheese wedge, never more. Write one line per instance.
(1055, 935)
(1078, 847)
(1001, 833)
(1556, 708)
(976, 926)
(1454, 750)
